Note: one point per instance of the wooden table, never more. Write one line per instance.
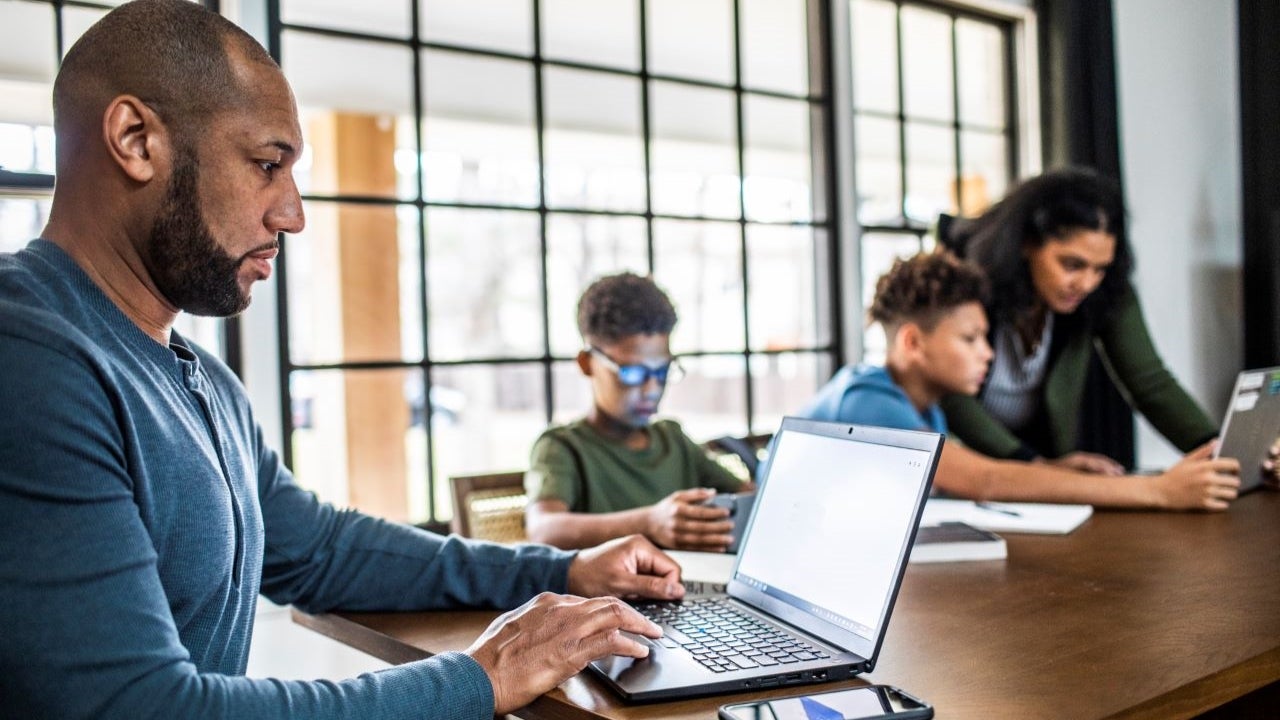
(1134, 615)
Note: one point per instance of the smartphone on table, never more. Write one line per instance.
(870, 702)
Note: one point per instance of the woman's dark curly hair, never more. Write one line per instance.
(618, 306)
(923, 288)
(1048, 207)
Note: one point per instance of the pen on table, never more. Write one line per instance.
(993, 508)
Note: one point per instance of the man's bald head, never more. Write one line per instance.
(176, 56)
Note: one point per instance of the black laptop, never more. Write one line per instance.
(815, 580)
(1252, 423)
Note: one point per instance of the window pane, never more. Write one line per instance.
(581, 249)
(594, 152)
(778, 160)
(775, 53)
(931, 172)
(20, 149)
(571, 393)
(376, 17)
(986, 170)
(926, 57)
(879, 167)
(590, 31)
(481, 143)
(21, 220)
(783, 384)
(28, 51)
(358, 439)
(691, 38)
(981, 53)
(75, 21)
(486, 419)
(349, 114)
(694, 155)
(874, 30)
(485, 293)
(783, 306)
(354, 285)
(711, 400)
(490, 24)
(699, 264)
(879, 250)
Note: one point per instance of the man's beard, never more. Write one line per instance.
(185, 262)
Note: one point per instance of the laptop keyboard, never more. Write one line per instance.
(723, 638)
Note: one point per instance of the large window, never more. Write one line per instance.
(473, 165)
(935, 126)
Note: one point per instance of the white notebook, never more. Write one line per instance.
(1040, 518)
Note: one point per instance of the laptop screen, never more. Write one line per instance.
(831, 526)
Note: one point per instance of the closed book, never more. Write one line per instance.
(955, 541)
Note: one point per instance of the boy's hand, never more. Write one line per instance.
(680, 521)
(1198, 482)
(1271, 466)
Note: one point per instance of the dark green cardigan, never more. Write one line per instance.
(1134, 365)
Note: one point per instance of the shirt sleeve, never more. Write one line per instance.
(88, 629)
(554, 474)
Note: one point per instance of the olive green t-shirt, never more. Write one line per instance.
(575, 464)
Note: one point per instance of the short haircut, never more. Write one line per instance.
(619, 306)
(174, 55)
(923, 288)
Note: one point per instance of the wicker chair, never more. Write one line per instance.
(739, 455)
(489, 506)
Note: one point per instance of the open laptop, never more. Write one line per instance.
(1252, 423)
(817, 575)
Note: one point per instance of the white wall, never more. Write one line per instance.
(1179, 100)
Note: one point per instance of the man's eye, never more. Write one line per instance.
(268, 166)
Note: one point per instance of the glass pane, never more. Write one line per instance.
(926, 57)
(985, 158)
(490, 24)
(694, 155)
(711, 400)
(354, 285)
(376, 17)
(26, 148)
(783, 309)
(931, 172)
(874, 31)
(358, 439)
(28, 46)
(581, 249)
(75, 21)
(594, 152)
(691, 38)
(571, 392)
(775, 47)
(699, 264)
(594, 32)
(879, 250)
(481, 143)
(778, 156)
(486, 419)
(879, 167)
(484, 282)
(782, 385)
(981, 54)
(21, 221)
(356, 141)
(203, 331)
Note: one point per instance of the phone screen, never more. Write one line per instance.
(862, 703)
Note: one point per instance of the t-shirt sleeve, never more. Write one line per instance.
(554, 473)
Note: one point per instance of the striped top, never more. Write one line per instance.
(1012, 391)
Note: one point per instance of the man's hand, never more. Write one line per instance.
(549, 639)
(625, 567)
(1089, 463)
(1271, 466)
(681, 522)
(1198, 482)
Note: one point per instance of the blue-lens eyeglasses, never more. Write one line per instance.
(637, 375)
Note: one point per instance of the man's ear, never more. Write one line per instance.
(135, 137)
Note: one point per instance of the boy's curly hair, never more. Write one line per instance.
(618, 306)
(923, 288)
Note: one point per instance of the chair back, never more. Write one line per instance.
(489, 506)
(739, 455)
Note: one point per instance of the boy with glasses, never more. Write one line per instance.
(614, 472)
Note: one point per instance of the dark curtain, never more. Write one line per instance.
(1259, 27)
(1081, 127)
